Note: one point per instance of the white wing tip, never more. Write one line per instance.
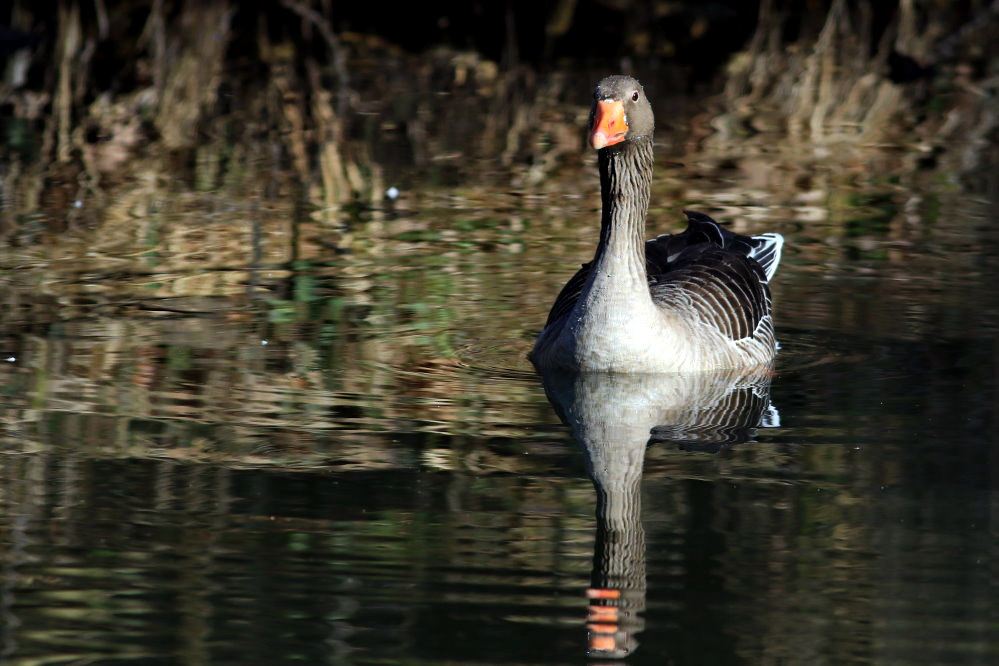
(769, 253)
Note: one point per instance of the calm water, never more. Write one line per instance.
(234, 434)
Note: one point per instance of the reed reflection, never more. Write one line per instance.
(615, 418)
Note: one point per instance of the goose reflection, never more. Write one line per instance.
(615, 417)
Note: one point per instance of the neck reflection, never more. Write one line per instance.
(615, 417)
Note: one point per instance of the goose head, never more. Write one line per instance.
(621, 113)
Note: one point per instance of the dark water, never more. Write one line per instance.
(242, 436)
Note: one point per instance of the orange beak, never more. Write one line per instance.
(609, 124)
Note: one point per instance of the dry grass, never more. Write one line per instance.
(302, 110)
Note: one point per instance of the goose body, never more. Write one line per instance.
(689, 302)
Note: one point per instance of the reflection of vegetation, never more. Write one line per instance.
(871, 214)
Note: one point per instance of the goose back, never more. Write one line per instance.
(709, 273)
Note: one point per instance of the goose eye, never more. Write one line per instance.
(634, 96)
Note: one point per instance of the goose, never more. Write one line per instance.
(689, 302)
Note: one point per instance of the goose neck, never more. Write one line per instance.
(625, 183)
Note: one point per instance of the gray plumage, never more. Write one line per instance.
(693, 301)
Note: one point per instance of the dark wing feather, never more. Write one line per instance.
(570, 293)
(726, 289)
(710, 264)
(701, 231)
(713, 269)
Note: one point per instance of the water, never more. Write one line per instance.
(234, 433)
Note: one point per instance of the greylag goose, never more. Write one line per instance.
(690, 302)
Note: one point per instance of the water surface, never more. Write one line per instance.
(235, 433)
